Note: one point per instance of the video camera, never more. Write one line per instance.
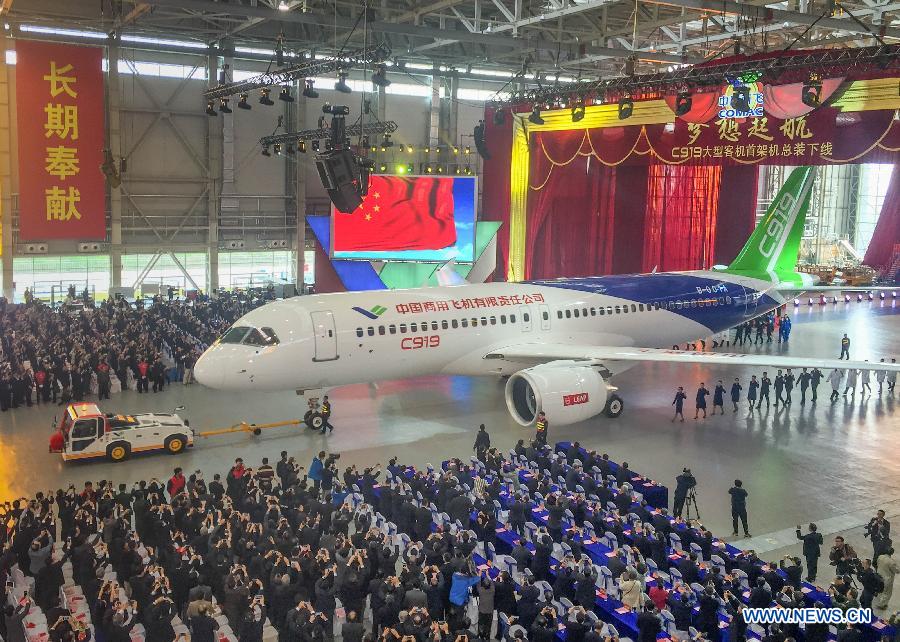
(332, 458)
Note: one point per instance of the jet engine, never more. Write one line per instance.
(566, 393)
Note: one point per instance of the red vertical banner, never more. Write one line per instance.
(60, 107)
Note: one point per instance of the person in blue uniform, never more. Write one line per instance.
(679, 403)
(736, 388)
(702, 393)
(779, 388)
(788, 387)
(764, 385)
(719, 398)
(752, 390)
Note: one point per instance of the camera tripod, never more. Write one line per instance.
(691, 501)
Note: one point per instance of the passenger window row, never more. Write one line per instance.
(434, 326)
(569, 313)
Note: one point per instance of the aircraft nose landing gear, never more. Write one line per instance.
(614, 406)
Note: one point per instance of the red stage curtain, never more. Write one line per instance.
(630, 218)
(570, 219)
(495, 184)
(682, 209)
(737, 211)
(887, 232)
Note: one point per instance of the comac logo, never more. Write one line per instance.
(576, 399)
(778, 225)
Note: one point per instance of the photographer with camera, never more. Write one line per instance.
(843, 557)
(685, 482)
(878, 530)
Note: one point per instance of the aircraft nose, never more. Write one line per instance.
(208, 371)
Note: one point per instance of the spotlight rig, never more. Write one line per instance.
(344, 174)
(304, 69)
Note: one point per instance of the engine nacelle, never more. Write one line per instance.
(566, 393)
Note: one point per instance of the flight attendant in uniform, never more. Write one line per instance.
(679, 403)
(719, 398)
(702, 392)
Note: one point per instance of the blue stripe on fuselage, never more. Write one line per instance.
(668, 288)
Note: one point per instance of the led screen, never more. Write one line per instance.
(409, 218)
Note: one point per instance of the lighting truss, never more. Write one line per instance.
(304, 69)
(825, 62)
(322, 133)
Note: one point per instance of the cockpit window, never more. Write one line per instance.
(235, 334)
(261, 337)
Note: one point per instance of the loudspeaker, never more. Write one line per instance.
(339, 173)
(480, 142)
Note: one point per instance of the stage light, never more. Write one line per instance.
(740, 99)
(410, 149)
(811, 94)
(577, 112)
(468, 150)
(243, 104)
(401, 149)
(401, 169)
(846, 298)
(315, 145)
(386, 142)
(796, 302)
(428, 169)
(341, 85)
(301, 147)
(277, 149)
(626, 107)
(210, 109)
(535, 117)
(455, 150)
(858, 298)
(382, 168)
(285, 95)
(870, 296)
(365, 142)
(881, 296)
(379, 78)
(683, 103)
(458, 170)
(310, 91)
(499, 117)
(265, 151)
(223, 106)
(427, 149)
(440, 169)
(468, 171)
(409, 168)
(264, 97)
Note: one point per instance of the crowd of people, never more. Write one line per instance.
(81, 348)
(266, 552)
(780, 390)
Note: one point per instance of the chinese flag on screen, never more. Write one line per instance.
(399, 213)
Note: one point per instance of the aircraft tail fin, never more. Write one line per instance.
(772, 250)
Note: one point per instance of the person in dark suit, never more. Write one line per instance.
(812, 550)
(689, 569)
(739, 507)
(648, 624)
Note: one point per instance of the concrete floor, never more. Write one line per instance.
(801, 465)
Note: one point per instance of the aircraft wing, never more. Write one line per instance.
(598, 355)
(790, 289)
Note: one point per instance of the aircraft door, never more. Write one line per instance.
(325, 336)
(545, 317)
(525, 314)
(83, 434)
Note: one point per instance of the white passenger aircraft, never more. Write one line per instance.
(559, 341)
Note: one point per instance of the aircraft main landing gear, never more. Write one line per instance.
(614, 406)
